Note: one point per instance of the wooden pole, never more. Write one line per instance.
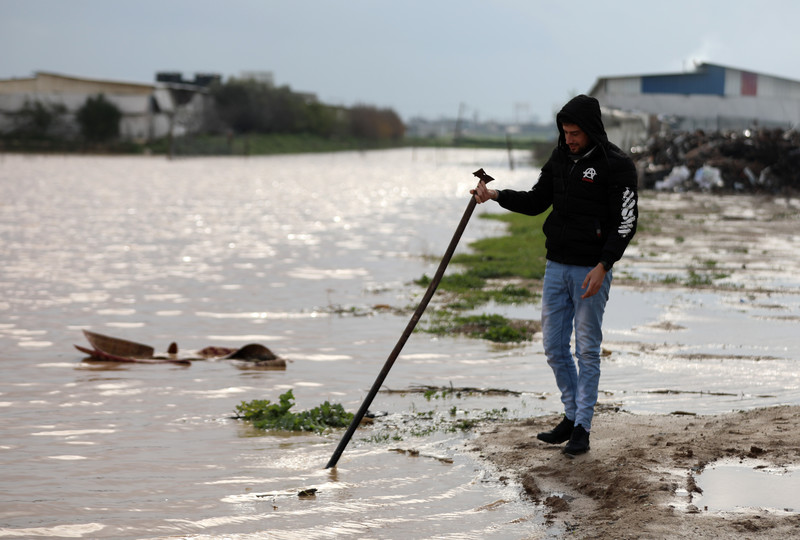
(510, 152)
(387, 366)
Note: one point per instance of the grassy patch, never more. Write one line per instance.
(469, 291)
(695, 278)
(449, 414)
(293, 143)
(491, 327)
(519, 256)
(425, 424)
(266, 415)
(262, 144)
(520, 253)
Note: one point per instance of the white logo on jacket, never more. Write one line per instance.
(589, 174)
(628, 214)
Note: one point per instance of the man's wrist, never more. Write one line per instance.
(606, 265)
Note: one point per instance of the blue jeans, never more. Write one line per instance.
(561, 306)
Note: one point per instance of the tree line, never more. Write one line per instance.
(240, 106)
(97, 121)
(248, 106)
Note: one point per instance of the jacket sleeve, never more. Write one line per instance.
(532, 202)
(624, 210)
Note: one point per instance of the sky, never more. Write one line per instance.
(501, 60)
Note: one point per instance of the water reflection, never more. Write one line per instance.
(296, 251)
(221, 251)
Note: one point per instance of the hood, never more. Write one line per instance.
(584, 111)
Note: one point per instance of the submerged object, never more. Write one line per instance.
(113, 349)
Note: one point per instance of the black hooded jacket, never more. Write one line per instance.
(593, 196)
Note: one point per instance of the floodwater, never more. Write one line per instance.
(746, 485)
(296, 252)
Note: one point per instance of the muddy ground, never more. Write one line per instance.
(638, 479)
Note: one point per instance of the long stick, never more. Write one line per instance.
(410, 327)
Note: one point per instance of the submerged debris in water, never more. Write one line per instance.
(444, 391)
(307, 493)
(416, 453)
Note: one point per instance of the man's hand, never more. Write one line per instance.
(594, 280)
(482, 193)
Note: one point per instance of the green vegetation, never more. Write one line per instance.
(491, 327)
(427, 423)
(696, 280)
(44, 127)
(254, 144)
(248, 106)
(99, 119)
(38, 121)
(424, 424)
(443, 416)
(245, 117)
(695, 277)
(518, 256)
(520, 253)
(265, 415)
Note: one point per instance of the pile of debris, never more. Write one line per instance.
(763, 161)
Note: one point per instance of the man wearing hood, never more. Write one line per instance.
(591, 186)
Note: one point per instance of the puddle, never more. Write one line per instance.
(735, 486)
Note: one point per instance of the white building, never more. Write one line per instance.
(709, 97)
(149, 111)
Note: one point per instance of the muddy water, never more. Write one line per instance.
(294, 252)
(745, 485)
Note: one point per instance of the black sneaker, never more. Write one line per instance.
(578, 443)
(559, 434)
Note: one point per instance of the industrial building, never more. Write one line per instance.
(711, 97)
(149, 111)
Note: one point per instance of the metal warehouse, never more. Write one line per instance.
(710, 97)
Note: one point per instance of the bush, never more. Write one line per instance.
(37, 120)
(99, 119)
(378, 124)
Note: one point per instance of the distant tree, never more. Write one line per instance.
(235, 107)
(99, 119)
(248, 106)
(323, 119)
(367, 122)
(37, 120)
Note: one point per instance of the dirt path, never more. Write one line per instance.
(628, 485)
(638, 479)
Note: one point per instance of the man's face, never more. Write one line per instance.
(577, 140)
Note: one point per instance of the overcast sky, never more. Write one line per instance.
(503, 60)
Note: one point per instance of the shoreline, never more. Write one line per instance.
(640, 477)
(631, 482)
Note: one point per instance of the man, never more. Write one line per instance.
(591, 185)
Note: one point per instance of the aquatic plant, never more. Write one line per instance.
(267, 415)
(491, 327)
